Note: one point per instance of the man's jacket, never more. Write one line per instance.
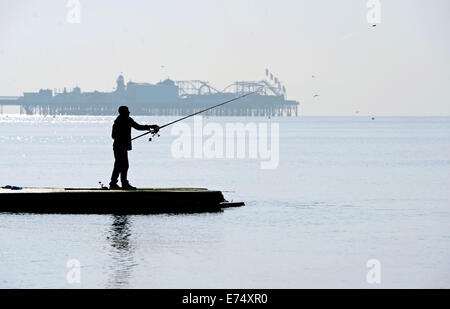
(121, 132)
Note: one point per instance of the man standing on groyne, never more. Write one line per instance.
(121, 133)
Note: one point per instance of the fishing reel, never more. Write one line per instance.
(153, 135)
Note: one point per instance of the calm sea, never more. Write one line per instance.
(346, 190)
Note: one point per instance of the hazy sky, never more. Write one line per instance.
(400, 67)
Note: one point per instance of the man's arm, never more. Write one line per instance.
(139, 127)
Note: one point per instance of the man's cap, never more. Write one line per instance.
(123, 110)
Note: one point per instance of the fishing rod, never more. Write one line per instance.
(196, 113)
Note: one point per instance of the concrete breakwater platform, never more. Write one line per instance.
(103, 201)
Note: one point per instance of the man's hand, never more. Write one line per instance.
(154, 128)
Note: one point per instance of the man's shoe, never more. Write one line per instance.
(114, 186)
(127, 186)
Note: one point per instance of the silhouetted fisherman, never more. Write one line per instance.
(121, 133)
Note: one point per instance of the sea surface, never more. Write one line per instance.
(346, 190)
